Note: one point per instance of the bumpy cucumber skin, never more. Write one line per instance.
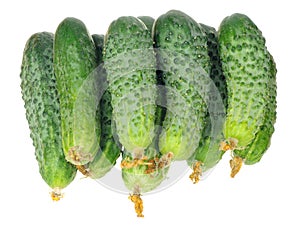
(129, 61)
(74, 64)
(39, 92)
(254, 151)
(182, 56)
(245, 62)
(216, 72)
(208, 152)
(136, 179)
(161, 99)
(148, 21)
(109, 146)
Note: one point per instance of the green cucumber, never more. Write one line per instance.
(148, 21)
(40, 95)
(251, 86)
(254, 152)
(109, 146)
(216, 72)
(161, 102)
(182, 56)
(129, 61)
(99, 44)
(74, 65)
(148, 175)
(208, 153)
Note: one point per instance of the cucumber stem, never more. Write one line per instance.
(77, 156)
(138, 204)
(235, 164)
(152, 164)
(229, 144)
(158, 163)
(128, 163)
(56, 194)
(83, 170)
(197, 172)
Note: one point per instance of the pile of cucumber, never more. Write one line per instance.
(150, 92)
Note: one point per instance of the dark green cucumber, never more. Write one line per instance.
(148, 21)
(129, 61)
(99, 44)
(208, 153)
(182, 57)
(216, 72)
(109, 146)
(74, 65)
(40, 95)
(250, 73)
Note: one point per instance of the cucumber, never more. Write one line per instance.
(109, 150)
(208, 153)
(99, 44)
(182, 56)
(251, 86)
(129, 61)
(254, 152)
(160, 102)
(40, 95)
(146, 174)
(78, 88)
(216, 72)
(148, 21)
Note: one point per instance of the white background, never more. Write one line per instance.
(260, 204)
